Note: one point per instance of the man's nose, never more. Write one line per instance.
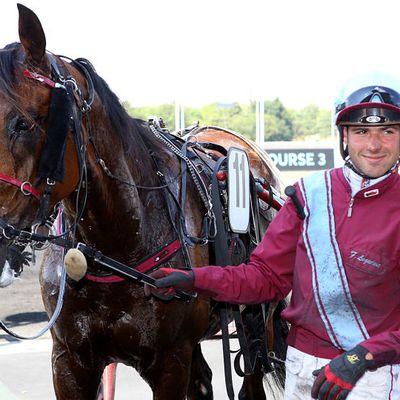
(374, 142)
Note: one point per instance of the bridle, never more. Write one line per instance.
(23, 237)
(80, 106)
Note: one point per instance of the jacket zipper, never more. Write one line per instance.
(350, 209)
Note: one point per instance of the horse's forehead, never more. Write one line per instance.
(5, 107)
(28, 99)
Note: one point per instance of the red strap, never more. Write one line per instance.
(38, 77)
(26, 187)
(150, 263)
(158, 258)
(104, 279)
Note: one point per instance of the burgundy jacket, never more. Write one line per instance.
(369, 244)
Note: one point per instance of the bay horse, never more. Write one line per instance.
(66, 138)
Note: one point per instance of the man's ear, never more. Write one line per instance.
(345, 135)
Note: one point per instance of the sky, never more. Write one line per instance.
(199, 52)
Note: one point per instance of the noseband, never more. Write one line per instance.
(26, 188)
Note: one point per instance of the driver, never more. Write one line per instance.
(341, 263)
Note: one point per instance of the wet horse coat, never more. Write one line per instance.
(109, 182)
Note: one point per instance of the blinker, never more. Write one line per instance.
(58, 124)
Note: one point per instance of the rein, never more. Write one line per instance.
(160, 257)
(59, 304)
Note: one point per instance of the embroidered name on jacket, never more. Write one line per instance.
(364, 260)
(331, 289)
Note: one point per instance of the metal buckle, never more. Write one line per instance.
(39, 246)
(23, 190)
(73, 82)
(4, 232)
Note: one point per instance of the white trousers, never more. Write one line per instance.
(373, 385)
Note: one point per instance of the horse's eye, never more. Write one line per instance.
(18, 128)
(21, 126)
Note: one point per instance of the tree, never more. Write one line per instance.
(278, 123)
(164, 111)
(311, 121)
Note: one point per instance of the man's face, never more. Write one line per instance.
(373, 149)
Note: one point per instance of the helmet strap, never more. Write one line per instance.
(349, 164)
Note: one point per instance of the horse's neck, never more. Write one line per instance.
(119, 216)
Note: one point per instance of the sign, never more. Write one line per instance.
(238, 190)
(302, 159)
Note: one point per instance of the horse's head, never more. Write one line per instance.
(40, 104)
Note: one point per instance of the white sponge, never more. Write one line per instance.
(75, 264)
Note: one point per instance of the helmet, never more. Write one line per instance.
(371, 100)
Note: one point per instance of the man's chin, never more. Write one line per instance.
(374, 173)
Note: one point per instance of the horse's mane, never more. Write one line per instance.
(8, 69)
(128, 128)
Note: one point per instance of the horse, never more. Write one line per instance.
(66, 139)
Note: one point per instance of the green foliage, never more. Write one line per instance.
(280, 123)
(311, 121)
(236, 117)
(164, 111)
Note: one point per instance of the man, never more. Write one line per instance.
(341, 263)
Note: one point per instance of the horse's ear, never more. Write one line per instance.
(31, 34)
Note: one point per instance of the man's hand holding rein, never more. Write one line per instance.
(169, 279)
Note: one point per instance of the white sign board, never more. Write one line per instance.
(238, 190)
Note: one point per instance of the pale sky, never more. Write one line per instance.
(198, 52)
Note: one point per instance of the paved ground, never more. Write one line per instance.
(25, 373)
(25, 369)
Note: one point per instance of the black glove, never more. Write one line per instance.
(169, 279)
(337, 379)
